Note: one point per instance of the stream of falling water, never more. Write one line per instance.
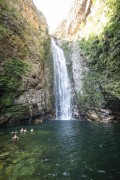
(61, 84)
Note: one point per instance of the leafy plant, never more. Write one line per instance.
(102, 55)
(10, 81)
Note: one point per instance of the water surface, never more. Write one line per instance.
(58, 150)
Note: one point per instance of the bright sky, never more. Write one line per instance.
(54, 10)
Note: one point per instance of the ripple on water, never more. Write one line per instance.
(66, 173)
(62, 150)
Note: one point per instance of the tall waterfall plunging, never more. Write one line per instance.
(61, 84)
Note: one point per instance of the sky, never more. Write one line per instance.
(54, 10)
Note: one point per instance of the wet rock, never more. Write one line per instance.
(106, 111)
(108, 118)
(38, 121)
(100, 115)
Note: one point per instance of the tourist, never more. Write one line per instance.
(22, 130)
(15, 138)
(25, 130)
(31, 130)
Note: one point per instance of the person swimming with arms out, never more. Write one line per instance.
(15, 138)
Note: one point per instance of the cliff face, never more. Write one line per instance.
(95, 26)
(71, 26)
(25, 76)
(87, 17)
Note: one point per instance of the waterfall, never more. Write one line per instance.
(61, 84)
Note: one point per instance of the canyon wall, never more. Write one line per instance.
(94, 25)
(25, 63)
(71, 26)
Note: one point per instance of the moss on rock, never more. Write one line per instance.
(102, 55)
(24, 54)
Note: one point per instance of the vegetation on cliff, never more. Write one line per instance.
(98, 36)
(10, 85)
(101, 86)
(24, 50)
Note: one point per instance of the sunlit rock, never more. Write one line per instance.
(25, 42)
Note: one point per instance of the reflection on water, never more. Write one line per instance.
(61, 150)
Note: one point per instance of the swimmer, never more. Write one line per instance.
(25, 130)
(22, 130)
(15, 138)
(31, 130)
(12, 132)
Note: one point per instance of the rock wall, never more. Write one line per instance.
(79, 68)
(95, 26)
(71, 26)
(25, 57)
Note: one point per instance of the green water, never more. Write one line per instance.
(61, 150)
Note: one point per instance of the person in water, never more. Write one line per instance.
(25, 130)
(22, 130)
(31, 130)
(15, 138)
